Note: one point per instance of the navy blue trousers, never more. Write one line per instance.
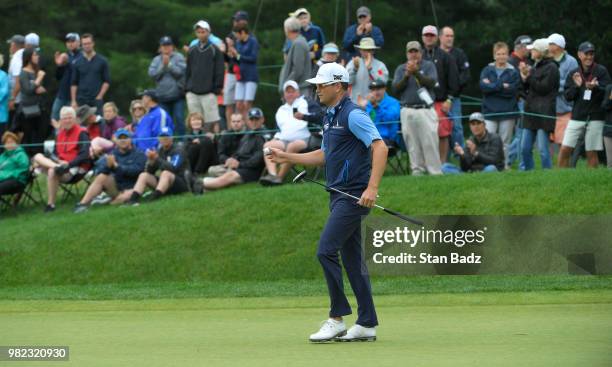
(342, 233)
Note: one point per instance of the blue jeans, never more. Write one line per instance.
(455, 115)
(514, 150)
(451, 169)
(529, 138)
(58, 103)
(176, 109)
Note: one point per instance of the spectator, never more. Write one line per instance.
(87, 118)
(16, 47)
(567, 63)
(137, 111)
(314, 34)
(200, 145)
(63, 74)
(520, 54)
(541, 84)
(168, 71)
(229, 141)
(447, 43)
(204, 77)
(363, 28)
(607, 131)
(90, 77)
(314, 119)
(239, 19)
(414, 82)
(29, 118)
(293, 134)
(519, 57)
(112, 120)
(297, 66)
(149, 127)
(70, 161)
(5, 91)
(499, 83)
(446, 88)
(116, 173)
(330, 53)
(246, 164)
(14, 166)
(246, 51)
(172, 162)
(585, 86)
(364, 69)
(385, 112)
(484, 151)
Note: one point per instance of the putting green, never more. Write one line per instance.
(480, 329)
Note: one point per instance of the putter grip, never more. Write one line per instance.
(402, 216)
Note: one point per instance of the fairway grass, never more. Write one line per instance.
(560, 328)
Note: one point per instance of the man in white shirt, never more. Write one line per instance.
(293, 135)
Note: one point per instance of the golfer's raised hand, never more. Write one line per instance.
(277, 156)
(368, 198)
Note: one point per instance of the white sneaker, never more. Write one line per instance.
(330, 329)
(359, 333)
(101, 199)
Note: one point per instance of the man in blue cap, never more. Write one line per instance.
(116, 172)
(354, 156)
(171, 161)
(152, 123)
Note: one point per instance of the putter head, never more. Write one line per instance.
(300, 176)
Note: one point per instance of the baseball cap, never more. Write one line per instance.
(17, 39)
(523, 40)
(123, 132)
(202, 24)
(32, 39)
(165, 41)
(541, 44)
(413, 45)
(255, 113)
(330, 48)
(291, 83)
(430, 29)
(557, 39)
(377, 84)
(363, 11)
(72, 36)
(586, 47)
(150, 93)
(330, 73)
(299, 12)
(240, 15)
(165, 131)
(477, 116)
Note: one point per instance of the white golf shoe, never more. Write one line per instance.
(358, 333)
(330, 329)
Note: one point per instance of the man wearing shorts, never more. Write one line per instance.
(246, 51)
(246, 164)
(70, 162)
(171, 161)
(117, 172)
(293, 135)
(585, 86)
(204, 77)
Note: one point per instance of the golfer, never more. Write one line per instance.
(354, 156)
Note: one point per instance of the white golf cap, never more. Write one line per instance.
(541, 44)
(330, 73)
(202, 24)
(291, 83)
(32, 39)
(557, 39)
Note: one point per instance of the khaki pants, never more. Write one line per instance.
(420, 131)
(206, 104)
